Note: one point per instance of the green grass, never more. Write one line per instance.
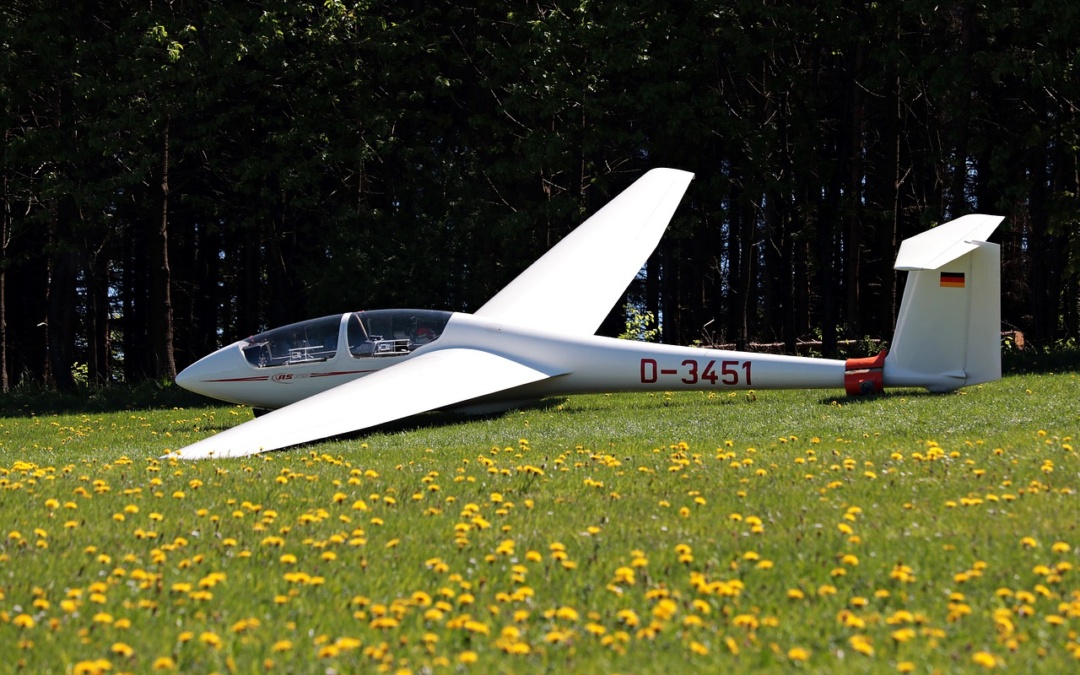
(626, 533)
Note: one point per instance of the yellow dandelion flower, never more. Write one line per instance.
(628, 617)
(985, 659)
(210, 639)
(748, 621)
(468, 657)
(23, 621)
(567, 614)
(903, 634)
(122, 649)
(95, 667)
(861, 644)
(798, 654)
(164, 663)
(665, 609)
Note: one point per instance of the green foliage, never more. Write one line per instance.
(643, 533)
(641, 325)
(333, 155)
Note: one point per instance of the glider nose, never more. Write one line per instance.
(187, 377)
(206, 375)
(191, 378)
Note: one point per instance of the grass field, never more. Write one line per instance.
(799, 531)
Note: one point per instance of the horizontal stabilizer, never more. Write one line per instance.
(945, 243)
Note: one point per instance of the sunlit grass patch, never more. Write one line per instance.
(617, 533)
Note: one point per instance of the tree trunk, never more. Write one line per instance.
(60, 306)
(5, 230)
(161, 328)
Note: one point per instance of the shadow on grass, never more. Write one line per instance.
(31, 400)
(441, 418)
(1059, 360)
(844, 399)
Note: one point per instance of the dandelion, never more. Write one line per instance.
(624, 575)
(628, 617)
(861, 644)
(665, 609)
(567, 614)
(164, 663)
(748, 621)
(468, 657)
(95, 667)
(210, 639)
(798, 654)
(903, 634)
(23, 621)
(985, 659)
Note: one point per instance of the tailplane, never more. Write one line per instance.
(948, 332)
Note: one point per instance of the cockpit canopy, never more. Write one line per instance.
(378, 333)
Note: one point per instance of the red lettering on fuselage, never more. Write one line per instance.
(693, 372)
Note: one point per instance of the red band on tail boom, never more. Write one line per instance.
(863, 376)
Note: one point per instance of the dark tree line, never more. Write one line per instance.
(179, 174)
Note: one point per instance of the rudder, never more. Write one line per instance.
(948, 329)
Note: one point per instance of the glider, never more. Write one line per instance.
(535, 338)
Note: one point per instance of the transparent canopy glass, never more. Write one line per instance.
(377, 333)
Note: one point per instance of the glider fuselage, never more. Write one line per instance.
(575, 364)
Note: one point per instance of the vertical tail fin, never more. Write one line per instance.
(948, 332)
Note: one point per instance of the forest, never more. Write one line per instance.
(180, 174)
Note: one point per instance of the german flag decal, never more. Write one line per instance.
(952, 279)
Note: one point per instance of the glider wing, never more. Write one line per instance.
(580, 279)
(425, 382)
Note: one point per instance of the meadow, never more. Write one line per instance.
(732, 532)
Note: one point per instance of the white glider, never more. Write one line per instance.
(352, 371)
